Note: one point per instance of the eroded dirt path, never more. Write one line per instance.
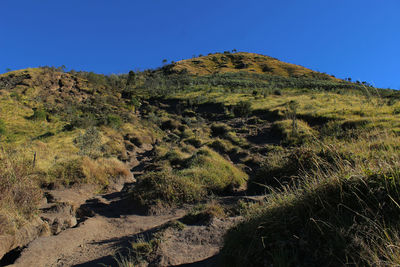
(96, 239)
(109, 223)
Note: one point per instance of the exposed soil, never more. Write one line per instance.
(96, 238)
(108, 226)
(87, 230)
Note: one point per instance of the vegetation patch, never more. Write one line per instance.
(19, 192)
(203, 213)
(82, 170)
(332, 222)
(293, 132)
(203, 174)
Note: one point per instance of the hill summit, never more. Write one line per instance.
(242, 62)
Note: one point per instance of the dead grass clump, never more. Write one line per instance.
(103, 170)
(86, 170)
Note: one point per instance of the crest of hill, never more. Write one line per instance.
(243, 62)
(46, 83)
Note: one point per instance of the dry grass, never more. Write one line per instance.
(237, 62)
(343, 211)
(102, 171)
(19, 193)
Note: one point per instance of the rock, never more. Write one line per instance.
(59, 216)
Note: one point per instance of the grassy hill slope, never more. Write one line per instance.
(323, 151)
(242, 61)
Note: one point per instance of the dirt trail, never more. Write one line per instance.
(108, 223)
(96, 239)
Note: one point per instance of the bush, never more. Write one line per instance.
(213, 171)
(167, 187)
(174, 157)
(84, 170)
(170, 125)
(2, 127)
(221, 146)
(114, 121)
(242, 109)
(89, 142)
(219, 129)
(203, 213)
(281, 169)
(290, 136)
(103, 170)
(39, 114)
(204, 173)
(194, 142)
(67, 172)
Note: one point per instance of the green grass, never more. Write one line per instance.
(329, 170)
(331, 204)
(333, 222)
(204, 173)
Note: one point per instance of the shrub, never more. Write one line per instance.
(242, 109)
(167, 187)
(281, 169)
(2, 127)
(194, 142)
(174, 157)
(219, 129)
(135, 103)
(86, 170)
(114, 121)
(221, 146)
(67, 172)
(170, 125)
(302, 134)
(89, 142)
(103, 170)
(213, 171)
(204, 173)
(203, 213)
(39, 114)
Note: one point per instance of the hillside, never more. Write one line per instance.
(243, 62)
(233, 159)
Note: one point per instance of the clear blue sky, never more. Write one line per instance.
(346, 38)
